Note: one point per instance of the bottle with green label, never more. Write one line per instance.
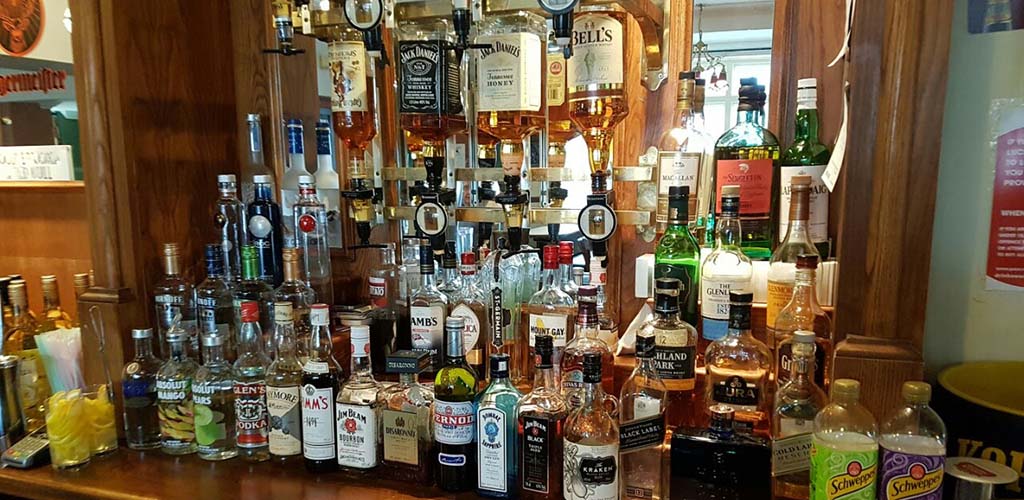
(844, 456)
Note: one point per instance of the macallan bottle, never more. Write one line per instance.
(683, 153)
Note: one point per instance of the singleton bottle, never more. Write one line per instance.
(550, 310)
(384, 287)
(796, 403)
(642, 442)
(678, 254)
(357, 409)
(138, 383)
(455, 388)
(844, 458)
(586, 341)
(540, 422)
(675, 343)
(214, 306)
(253, 289)
(592, 441)
(296, 292)
(470, 304)
(265, 231)
(807, 156)
(319, 390)
(295, 168)
(782, 273)
(229, 218)
(328, 182)
(407, 425)
(427, 307)
(682, 154)
(283, 379)
(803, 313)
(496, 432)
(174, 296)
(174, 396)
(310, 222)
(746, 155)
(913, 448)
(738, 366)
(214, 398)
(250, 388)
(727, 268)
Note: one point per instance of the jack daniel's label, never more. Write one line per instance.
(597, 57)
(508, 76)
(429, 78)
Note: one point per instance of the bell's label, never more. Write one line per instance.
(471, 331)
(554, 325)
(508, 73)
(357, 436)
(839, 474)
(536, 454)
(400, 437)
(754, 177)
(285, 420)
(492, 450)
(674, 359)
(251, 414)
(347, 60)
(378, 291)
(318, 438)
(906, 476)
(556, 79)
(779, 294)
(597, 52)
(454, 422)
(591, 472)
(792, 453)
(818, 222)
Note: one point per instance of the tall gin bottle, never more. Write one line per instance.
(455, 389)
(807, 156)
(265, 231)
(678, 254)
(174, 396)
(727, 268)
(496, 432)
(252, 420)
(427, 308)
(138, 384)
(782, 270)
(214, 302)
(310, 222)
(592, 441)
(174, 296)
(642, 442)
(356, 412)
(284, 376)
(295, 168)
(747, 155)
(796, 403)
(229, 218)
(214, 403)
(540, 422)
(319, 391)
(683, 153)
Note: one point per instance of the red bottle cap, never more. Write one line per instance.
(551, 257)
(468, 261)
(565, 252)
(250, 312)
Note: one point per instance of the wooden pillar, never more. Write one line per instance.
(897, 73)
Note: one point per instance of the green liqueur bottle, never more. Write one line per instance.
(678, 254)
(455, 415)
(807, 156)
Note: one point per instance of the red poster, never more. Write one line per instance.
(754, 177)
(1005, 270)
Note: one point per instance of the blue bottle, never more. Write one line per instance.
(265, 231)
(496, 433)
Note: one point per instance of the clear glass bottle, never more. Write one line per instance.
(796, 403)
(470, 304)
(678, 254)
(296, 292)
(319, 392)
(565, 282)
(253, 422)
(214, 306)
(174, 296)
(807, 156)
(803, 313)
(496, 432)
(328, 182)
(844, 458)
(138, 384)
(214, 403)
(748, 155)
(675, 344)
(256, 165)
(912, 442)
(550, 311)
(174, 397)
(252, 288)
(450, 282)
(295, 168)
(407, 424)
(540, 427)
(284, 376)
(741, 467)
(357, 409)
(266, 231)
(727, 268)
(455, 389)
(427, 311)
(52, 313)
(230, 219)
(384, 282)
(683, 153)
(592, 440)
(20, 340)
(782, 270)
(310, 222)
(586, 341)
(643, 446)
(607, 317)
(738, 366)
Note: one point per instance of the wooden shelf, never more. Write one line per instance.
(43, 185)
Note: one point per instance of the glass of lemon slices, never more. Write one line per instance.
(80, 424)
(99, 410)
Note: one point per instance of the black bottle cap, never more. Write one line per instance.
(666, 295)
(544, 346)
(807, 261)
(687, 75)
(667, 284)
(748, 82)
(645, 347)
(407, 362)
(448, 261)
(426, 258)
(731, 200)
(678, 204)
(739, 310)
(499, 365)
(678, 191)
(592, 368)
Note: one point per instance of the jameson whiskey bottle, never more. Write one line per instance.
(807, 156)
(747, 156)
(682, 153)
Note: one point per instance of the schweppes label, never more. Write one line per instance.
(906, 476)
(842, 475)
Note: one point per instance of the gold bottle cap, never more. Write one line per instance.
(917, 392)
(171, 253)
(291, 258)
(16, 292)
(846, 388)
(731, 190)
(81, 280)
(800, 180)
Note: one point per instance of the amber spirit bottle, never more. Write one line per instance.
(807, 156)
(683, 153)
(455, 389)
(797, 402)
(560, 128)
(803, 313)
(747, 155)
(540, 425)
(470, 304)
(675, 344)
(407, 425)
(549, 312)
(782, 269)
(586, 341)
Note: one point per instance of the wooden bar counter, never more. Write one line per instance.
(132, 474)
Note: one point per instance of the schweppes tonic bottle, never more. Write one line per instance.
(913, 448)
(844, 459)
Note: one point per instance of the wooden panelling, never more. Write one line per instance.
(25, 124)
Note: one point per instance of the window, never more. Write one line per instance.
(720, 104)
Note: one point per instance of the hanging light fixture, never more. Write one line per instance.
(705, 61)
